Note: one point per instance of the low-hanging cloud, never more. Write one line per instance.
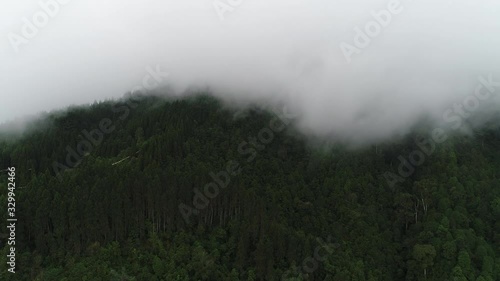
(428, 56)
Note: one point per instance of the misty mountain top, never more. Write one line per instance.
(351, 69)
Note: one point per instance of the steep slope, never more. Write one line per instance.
(181, 189)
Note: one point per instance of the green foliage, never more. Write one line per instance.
(116, 215)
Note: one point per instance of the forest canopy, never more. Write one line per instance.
(189, 189)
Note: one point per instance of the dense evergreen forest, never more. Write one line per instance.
(189, 189)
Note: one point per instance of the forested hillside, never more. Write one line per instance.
(186, 189)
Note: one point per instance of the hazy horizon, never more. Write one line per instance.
(423, 60)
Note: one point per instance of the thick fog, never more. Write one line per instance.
(351, 69)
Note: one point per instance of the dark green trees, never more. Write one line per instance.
(116, 215)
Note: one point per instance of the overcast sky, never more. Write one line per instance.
(428, 56)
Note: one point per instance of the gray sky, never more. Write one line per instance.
(427, 57)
